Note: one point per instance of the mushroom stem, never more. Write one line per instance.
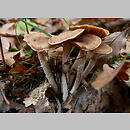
(90, 66)
(80, 69)
(65, 69)
(64, 86)
(81, 76)
(47, 70)
(74, 68)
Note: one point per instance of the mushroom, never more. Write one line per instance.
(102, 49)
(86, 42)
(93, 41)
(90, 29)
(65, 40)
(39, 42)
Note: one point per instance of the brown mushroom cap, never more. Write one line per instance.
(90, 42)
(37, 41)
(92, 30)
(103, 49)
(68, 35)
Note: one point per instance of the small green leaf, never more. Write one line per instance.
(21, 25)
(111, 60)
(73, 47)
(13, 49)
(69, 25)
(121, 58)
(28, 54)
(35, 27)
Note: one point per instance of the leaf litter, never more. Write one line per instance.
(27, 89)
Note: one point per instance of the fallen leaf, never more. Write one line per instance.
(53, 26)
(5, 44)
(127, 49)
(42, 21)
(106, 76)
(36, 94)
(73, 21)
(19, 68)
(82, 100)
(123, 73)
(128, 71)
(116, 41)
(111, 37)
(9, 30)
(9, 57)
(8, 43)
(128, 38)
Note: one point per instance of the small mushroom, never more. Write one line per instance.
(65, 40)
(92, 33)
(102, 49)
(39, 42)
(90, 29)
(86, 42)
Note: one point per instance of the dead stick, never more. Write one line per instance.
(1, 48)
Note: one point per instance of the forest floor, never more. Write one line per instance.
(25, 88)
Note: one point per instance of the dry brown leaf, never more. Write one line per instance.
(19, 68)
(42, 21)
(106, 76)
(83, 99)
(123, 74)
(74, 21)
(8, 42)
(127, 49)
(36, 94)
(117, 41)
(53, 25)
(128, 72)
(9, 57)
(111, 37)
(128, 38)
(9, 30)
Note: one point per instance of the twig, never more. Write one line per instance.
(3, 94)
(26, 26)
(1, 48)
(2, 85)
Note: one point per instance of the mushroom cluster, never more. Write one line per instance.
(87, 38)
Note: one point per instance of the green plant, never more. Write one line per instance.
(22, 26)
(35, 27)
(27, 53)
